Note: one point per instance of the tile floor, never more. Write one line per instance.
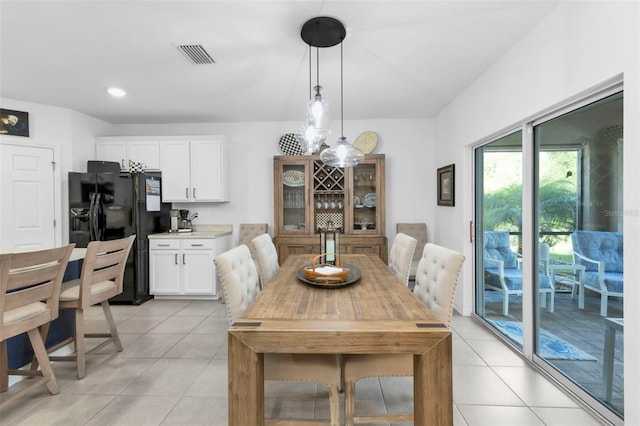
(173, 371)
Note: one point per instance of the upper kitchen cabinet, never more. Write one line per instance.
(194, 169)
(124, 150)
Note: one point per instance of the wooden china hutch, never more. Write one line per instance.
(309, 193)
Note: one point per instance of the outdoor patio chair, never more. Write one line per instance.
(601, 253)
(503, 272)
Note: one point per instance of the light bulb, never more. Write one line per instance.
(319, 115)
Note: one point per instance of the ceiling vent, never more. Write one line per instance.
(196, 54)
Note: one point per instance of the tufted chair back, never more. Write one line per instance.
(497, 246)
(266, 257)
(248, 231)
(419, 232)
(602, 246)
(401, 256)
(239, 279)
(437, 279)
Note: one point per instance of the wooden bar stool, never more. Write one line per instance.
(100, 279)
(30, 286)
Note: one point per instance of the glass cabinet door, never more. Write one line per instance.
(293, 190)
(364, 202)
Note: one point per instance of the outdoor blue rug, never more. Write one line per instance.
(551, 347)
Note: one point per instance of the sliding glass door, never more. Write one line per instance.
(580, 213)
(499, 233)
(549, 241)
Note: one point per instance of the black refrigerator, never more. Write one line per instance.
(111, 205)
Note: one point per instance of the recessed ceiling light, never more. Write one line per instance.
(116, 91)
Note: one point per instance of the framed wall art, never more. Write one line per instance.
(446, 187)
(14, 123)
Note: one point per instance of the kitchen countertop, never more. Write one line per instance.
(199, 231)
(76, 254)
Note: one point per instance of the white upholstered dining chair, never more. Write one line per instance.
(248, 231)
(29, 289)
(401, 256)
(240, 285)
(436, 281)
(419, 232)
(265, 255)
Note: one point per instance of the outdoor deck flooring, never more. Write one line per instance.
(583, 328)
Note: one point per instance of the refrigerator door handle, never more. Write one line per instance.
(91, 216)
(96, 222)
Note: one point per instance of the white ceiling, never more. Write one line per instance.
(402, 59)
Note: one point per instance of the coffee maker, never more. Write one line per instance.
(184, 223)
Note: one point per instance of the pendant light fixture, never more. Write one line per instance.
(319, 32)
(342, 153)
(318, 124)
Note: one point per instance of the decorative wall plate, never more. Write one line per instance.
(290, 144)
(366, 142)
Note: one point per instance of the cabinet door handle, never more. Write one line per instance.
(175, 259)
(186, 193)
(194, 193)
(197, 245)
(183, 259)
(163, 245)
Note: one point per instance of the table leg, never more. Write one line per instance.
(433, 385)
(607, 362)
(246, 385)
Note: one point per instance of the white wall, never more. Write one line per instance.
(70, 134)
(578, 46)
(407, 144)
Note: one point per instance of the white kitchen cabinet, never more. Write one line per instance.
(125, 149)
(194, 170)
(184, 268)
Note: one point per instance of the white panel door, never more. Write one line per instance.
(27, 201)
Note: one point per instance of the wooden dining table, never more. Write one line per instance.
(376, 314)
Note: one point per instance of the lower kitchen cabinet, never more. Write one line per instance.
(184, 268)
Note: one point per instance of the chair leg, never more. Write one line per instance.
(79, 343)
(112, 325)
(505, 304)
(41, 354)
(349, 402)
(552, 301)
(334, 405)
(4, 367)
(603, 304)
(44, 332)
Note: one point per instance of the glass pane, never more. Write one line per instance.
(499, 234)
(580, 211)
(364, 201)
(293, 193)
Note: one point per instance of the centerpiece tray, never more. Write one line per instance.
(353, 276)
